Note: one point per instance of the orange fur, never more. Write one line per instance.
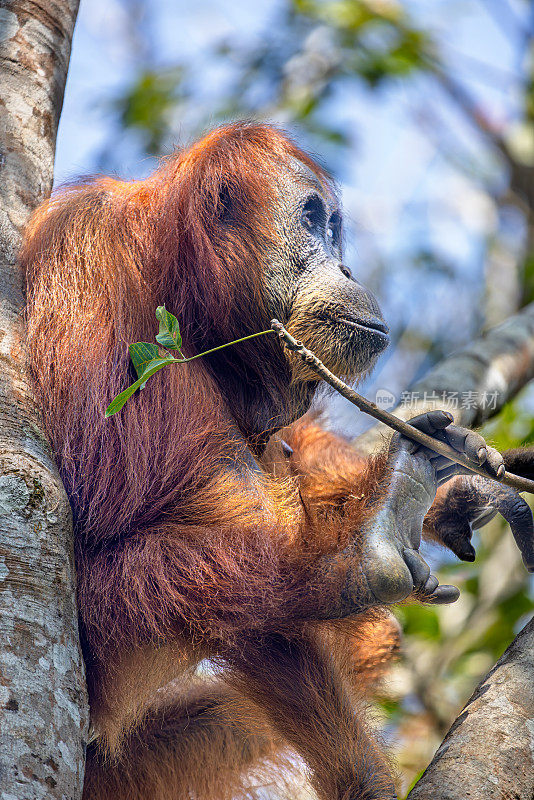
(189, 544)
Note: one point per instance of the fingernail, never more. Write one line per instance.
(501, 471)
(482, 454)
(449, 415)
(466, 553)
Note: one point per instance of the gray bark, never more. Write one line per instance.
(488, 753)
(43, 703)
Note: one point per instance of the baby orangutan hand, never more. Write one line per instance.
(469, 502)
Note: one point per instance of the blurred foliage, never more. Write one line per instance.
(514, 425)
(309, 48)
(325, 43)
(528, 279)
(149, 103)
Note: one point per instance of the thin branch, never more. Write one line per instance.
(496, 365)
(311, 360)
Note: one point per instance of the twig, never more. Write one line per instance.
(311, 360)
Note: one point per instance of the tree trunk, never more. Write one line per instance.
(488, 751)
(43, 703)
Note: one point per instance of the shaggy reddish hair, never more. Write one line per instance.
(185, 547)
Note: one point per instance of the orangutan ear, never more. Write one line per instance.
(225, 204)
(231, 203)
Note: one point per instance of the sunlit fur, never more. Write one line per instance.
(187, 546)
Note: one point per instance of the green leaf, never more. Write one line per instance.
(169, 330)
(414, 781)
(151, 368)
(142, 353)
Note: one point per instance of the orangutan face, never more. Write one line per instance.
(313, 292)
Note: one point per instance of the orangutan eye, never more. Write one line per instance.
(314, 214)
(333, 229)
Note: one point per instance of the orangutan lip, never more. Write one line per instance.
(375, 325)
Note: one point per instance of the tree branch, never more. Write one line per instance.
(488, 752)
(43, 704)
(393, 422)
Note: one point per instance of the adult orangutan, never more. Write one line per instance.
(204, 530)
